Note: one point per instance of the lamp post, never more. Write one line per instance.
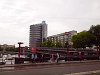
(19, 48)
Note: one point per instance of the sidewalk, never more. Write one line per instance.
(47, 63)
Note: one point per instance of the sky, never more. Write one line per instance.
(61, 16)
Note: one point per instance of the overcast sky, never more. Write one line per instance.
(61, 15)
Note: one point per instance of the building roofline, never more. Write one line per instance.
(61, 33)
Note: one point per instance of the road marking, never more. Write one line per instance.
(83, 73)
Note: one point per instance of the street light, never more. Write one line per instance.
(19, 48)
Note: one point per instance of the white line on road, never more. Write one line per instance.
(83, 73)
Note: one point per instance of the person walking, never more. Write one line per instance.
(58, 56)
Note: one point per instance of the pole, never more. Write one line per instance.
(19, 51)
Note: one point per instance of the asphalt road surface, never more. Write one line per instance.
(54, 69)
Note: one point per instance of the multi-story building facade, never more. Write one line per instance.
(38, 34)
(63, 37)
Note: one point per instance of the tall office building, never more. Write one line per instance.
(38, 34)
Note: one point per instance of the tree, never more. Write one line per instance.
(43, 44)
(76, 42)
(83, 39)
(47, 43)
(58, 45)
(95, 30)
(1, 49)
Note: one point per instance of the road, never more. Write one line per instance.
(54, 69)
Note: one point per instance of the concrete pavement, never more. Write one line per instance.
(21, 66)
(62, 69)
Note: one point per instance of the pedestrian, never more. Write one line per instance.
(57, 57)
(32, 58)
(35, 57)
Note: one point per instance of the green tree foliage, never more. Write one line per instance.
(58, 45)
(47, 44)
(1, 49)
(95, 30)
(83, 39)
